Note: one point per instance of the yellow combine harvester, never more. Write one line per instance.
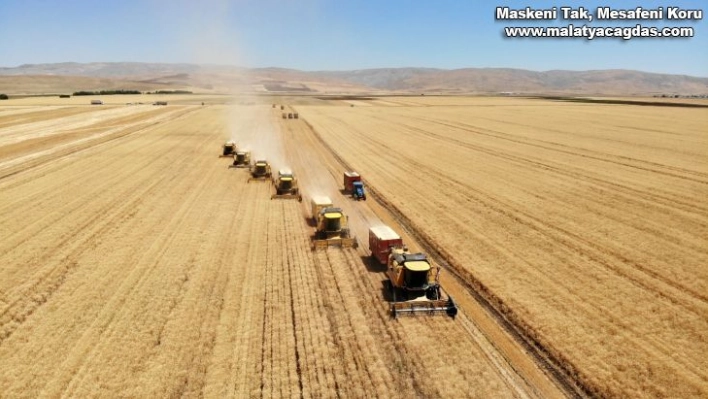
(414, 284)
(228, 149)
(286, 186)
(260, 171)
(242, 159)
(332, 225)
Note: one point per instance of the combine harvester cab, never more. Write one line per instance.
(332, 225)
(260, 171)
(414, 283)
(242, 159)
(228, 149)
(286, 186)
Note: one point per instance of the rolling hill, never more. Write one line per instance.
(61, 77)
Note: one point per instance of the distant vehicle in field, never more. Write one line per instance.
(286, 186)
(260, 171)
(242, 159)
(160, 103)
(228, 149)
(354, 186)
(96, 102)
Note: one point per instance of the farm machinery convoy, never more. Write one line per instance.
(413, 281)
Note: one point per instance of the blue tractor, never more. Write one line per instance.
(358, 192)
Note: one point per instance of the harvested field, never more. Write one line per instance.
(135, 263)
(583, 224)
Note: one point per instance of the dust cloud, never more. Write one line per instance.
(209, 34)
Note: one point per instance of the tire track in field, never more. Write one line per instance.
(625, 161)
(37, 114)
(319, 365)
(290, 263)
(48, 127)
(18, 165)
(231, 370)
(575, 174)
(280, 376)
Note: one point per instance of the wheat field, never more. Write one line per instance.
(586, 223)
(135, 263)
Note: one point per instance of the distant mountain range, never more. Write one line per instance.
(217, 78)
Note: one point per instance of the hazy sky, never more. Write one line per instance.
(328, 35)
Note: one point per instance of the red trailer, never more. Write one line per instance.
(381, 239)
(349, 179)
